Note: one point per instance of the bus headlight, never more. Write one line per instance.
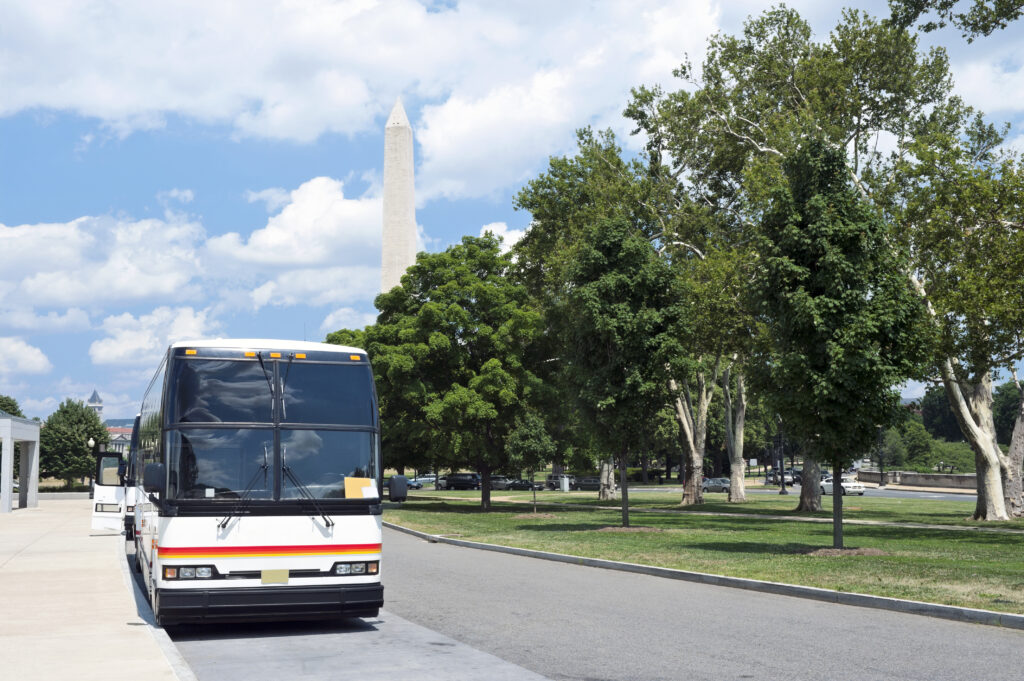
(204, 572)
(368, 568)
(188, 573)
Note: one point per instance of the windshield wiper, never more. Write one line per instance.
(284, 382)
(266, 375)
(305, 490)
(242, 505)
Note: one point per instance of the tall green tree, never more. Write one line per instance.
(10, 405)
(937, 417)
(956, 198)
(626, 318)
(448, 347)
(64, 441)
(1005, 407)
(945, 182)
(843, 323)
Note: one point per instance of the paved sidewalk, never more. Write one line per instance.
(68, 607)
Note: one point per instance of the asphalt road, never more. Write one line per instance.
(454, 613)
(572, 622)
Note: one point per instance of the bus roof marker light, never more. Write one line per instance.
(190, 352)
(250, 353)
(275, 355)
(355, 358)
(300, 355)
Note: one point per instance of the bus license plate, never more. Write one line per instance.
(274, 576)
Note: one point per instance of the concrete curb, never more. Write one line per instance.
(949, 612)
(171, 654)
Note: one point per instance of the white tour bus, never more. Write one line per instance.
(114, 489)
(259, 478)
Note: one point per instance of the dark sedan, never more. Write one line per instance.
(525, 484)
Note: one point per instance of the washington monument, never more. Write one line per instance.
(398, 246)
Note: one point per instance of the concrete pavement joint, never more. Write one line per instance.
(166, 645)
(949, 612)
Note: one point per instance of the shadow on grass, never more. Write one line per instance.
(758, 548)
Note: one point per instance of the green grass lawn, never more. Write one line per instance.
(854, 507)
(973, 569)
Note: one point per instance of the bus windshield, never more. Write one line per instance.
(239, 391)
(235, 427)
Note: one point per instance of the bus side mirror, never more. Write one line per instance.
(154, 478)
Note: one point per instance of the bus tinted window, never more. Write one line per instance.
(322, 459)
(209, 463)
(220, 391)
(328, 393)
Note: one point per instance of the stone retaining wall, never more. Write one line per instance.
(958, 481)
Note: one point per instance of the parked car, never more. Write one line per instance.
(554, 482)
(715, 485)
(463, 481)
(424, 480)
(772, 478)
(413, 483)
(499, 482)
(848, 485)
(441, 483)
(525, 484)
(588, 482)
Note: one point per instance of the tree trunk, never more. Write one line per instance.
(607, 490)
(693, 426)
(971, 403)
(624, 487)
(837, 505)
(485, 487)
(734, 421)
(810, 486)
(1014, 488)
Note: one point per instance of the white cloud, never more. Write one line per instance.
(506, 82)
(319, 225)
(42, 408)
(321, 286)
(18, 357)
(74, 319)
(347, 318)
(98, 260)
(993, 83)
(178, 195)
(142, 340)
(275, 198)
(508, 236)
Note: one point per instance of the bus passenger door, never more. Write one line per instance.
(108, 492)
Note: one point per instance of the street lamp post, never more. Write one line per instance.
(881, 460)
(782, 463)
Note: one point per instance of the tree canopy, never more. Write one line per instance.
(64, 438)
(11, 406)
(974, 18)
(448, 348)
(626, 314)
(843, 326)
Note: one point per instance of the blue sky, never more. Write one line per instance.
(173, 170)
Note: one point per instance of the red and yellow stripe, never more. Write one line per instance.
(265, 551)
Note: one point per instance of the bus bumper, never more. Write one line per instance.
(173, 606)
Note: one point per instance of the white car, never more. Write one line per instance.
(849, 486)
(715, 485)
